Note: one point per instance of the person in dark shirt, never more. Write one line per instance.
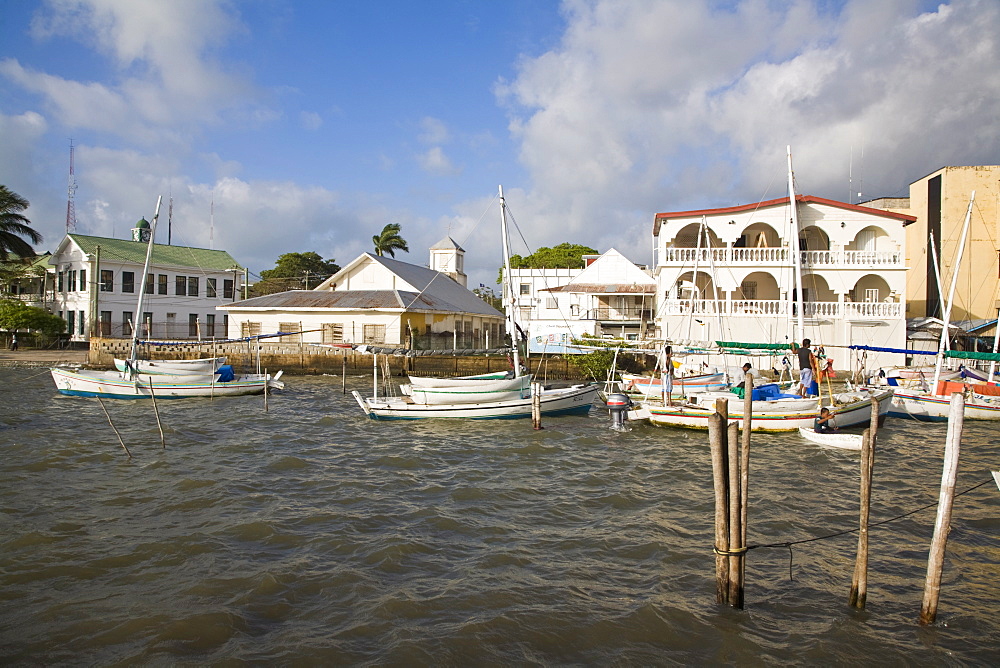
(822, 424)
(805, 367)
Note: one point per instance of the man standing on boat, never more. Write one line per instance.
(806, 362)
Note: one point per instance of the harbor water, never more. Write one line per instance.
(309, 534)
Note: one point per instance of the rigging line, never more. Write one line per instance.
(789, 544)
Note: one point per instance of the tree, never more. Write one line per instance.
(13, 226)
(489, 296)
(16, 315)
(389, 241)
(563, 256)
(295, 271)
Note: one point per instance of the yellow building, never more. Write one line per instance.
(939, 202)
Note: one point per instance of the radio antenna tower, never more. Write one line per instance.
(71, 193)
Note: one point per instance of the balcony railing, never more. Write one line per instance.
(781, 256)
(781, 308)
(631, 313)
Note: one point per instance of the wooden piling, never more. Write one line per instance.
(536, 406)
(265, 390)
(735, 557)
(949, 473)
(156, 411)
(745, 476)
(859, 582)
(717, 437)
(343, 374)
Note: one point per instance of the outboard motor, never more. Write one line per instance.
(618, 406)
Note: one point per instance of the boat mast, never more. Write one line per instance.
(509, 303)
(796, 255)
(946, 319)
(142, 283)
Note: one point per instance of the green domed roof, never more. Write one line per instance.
(143, 224)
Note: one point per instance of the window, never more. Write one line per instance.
(150, 283)
(81, 324)
(193, 324)
(83, 280)
(147, 323)
(180, 285)
(128, 281)
(374, 333)
(126, 323)
(192, 286)
(871, 295)
(210, 289)
(290, 327)
(71, 280)
(574, 309)
(525, 288)
(210, 325)
(105, 323)
(59, 281)
(550, 302)
(70, 322)
(248, 328)
(749, 289)
(107, 280)
(162, 284)
(333, 332)
(227, 289)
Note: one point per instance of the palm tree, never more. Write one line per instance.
(13, 226)
(389, 241)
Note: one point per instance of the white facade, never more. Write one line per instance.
(97, 279)
(730, 275)
(611, 296)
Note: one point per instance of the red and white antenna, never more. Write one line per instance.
(71, 191)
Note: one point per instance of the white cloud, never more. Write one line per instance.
(433, 131)
(435, 161)
(653, 105)
(310, 120)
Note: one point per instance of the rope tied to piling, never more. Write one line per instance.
(733, 552)
(791, 543)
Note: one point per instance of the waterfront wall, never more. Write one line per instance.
(303, 359)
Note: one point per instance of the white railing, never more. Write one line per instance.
(814, 258)
(781, 256)
(757, 308)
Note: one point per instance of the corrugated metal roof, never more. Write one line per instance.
(135, 252)
(353, 300)
(605, 288)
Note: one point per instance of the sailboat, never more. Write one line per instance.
(773, 412)
(481, 398)
(933, 404)
(137, 381)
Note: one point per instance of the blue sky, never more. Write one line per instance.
(313, 124)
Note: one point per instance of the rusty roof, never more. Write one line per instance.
(605, 288)
(358, 299)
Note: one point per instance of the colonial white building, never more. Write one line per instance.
(97, 280)
(610, 296)
(380, 301)
(731, 275)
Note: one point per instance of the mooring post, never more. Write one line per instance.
(935, 560)
(343, 374)
(745, 477)
(717, 437)
(536, 405)
(735, 515)
(265, 389)
(859, 583)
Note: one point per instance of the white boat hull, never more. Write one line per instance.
(770, 418)
(562, 401)
(174, 367)
(935, 408)
(832, 440)
(112, 385)
(459, 381)
(469, 392)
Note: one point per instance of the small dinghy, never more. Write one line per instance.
(832, 440)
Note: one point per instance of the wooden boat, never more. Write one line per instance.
(136, 382)
(203, 366)
(450, 400)
(848, 408)
(832, 439)
(559, 401)
(457, 381)
(467, 391)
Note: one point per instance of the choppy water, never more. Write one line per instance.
(310, 534)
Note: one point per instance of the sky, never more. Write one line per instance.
(279, 126)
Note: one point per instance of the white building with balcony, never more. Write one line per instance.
(610, 296)
(730, 275)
